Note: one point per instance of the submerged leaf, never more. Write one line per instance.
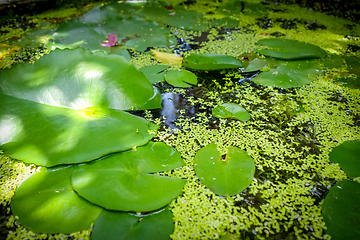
(126, 226)
(123, 181)
(167, 58)
(179, 78)
(227, 176)
(231, 110)
(46, 203)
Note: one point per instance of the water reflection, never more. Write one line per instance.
(172, 103)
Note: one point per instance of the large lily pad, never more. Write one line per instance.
(180, 78)
(290, 74)
(290, 49)
(347, 155)
(210, 61)
(123, 181)
(341, 211)
(126, 226)
(46, 203)
(232, 111)
(228, 176)
(66, 108)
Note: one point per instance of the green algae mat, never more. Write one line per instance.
(180, 120)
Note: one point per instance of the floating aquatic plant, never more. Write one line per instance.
(282, 48)
(288, 74)
(49, 201)
(127, 226)
(68, 108)
(232, 111)
(180, 78)
(46, 203)
(123, 181)
(209, 61)
(227, 175)
(162, 13)
(347, 156)
(155, 73)
(341, 211)
(88, 31)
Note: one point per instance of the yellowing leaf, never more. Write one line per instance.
(5, 49)
(167, 58)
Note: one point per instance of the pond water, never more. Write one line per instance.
(180, 120)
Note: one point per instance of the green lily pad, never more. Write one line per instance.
(90, 30)
(187, 20)
(331, 62)
(155, 73)
(123, 181)
(255, 9)
(341, 212)
(118, 51)
(210, 61)
(231, 110)
(176, 16)
(233, 8)
(47, 203)
(290, 49)
(126, 226)
(227, 176)
(290, 74)
(226, 22)
(251, 62)
(66, 108)
(347, 156)
(180, 78)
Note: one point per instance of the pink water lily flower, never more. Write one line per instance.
(112, 40)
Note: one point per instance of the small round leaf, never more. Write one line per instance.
(231, 110)
(210, 61)
(228, 176)
(181, 78)
(154, 72)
